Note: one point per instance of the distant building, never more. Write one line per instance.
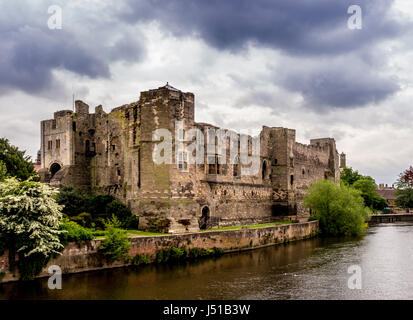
(388, 193)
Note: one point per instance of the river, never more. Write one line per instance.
(309, 269)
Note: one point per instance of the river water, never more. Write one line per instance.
(309, 269)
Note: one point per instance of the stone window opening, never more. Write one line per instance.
(303, 171)
(74, 126)
(274, 162)
(292, 179)
(49, 145)
(214, 164)
(54, 124)
(183, 161)
(91, 133)
(57, 143)
(235, 167)
(264, 172)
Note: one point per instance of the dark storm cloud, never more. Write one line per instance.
(304, 29)
(300, 27)
(29, 51)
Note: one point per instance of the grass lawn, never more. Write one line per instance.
(144, 233)
(252, 226)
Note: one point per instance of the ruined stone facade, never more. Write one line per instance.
(112, 153)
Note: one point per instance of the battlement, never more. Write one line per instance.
(112, 153)
(62, 113)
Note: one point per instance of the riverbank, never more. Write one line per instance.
(86, 257)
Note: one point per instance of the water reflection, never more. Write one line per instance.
(310, 269)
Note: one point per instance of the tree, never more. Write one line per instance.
(29, 224)
(404, 198)
(339, 208)
(349, 177)
(404, 192)
(73, 200)
(366, 185)
(17, 163)
(116, 244)
(3, 171)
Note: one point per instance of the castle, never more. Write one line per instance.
(112, 153)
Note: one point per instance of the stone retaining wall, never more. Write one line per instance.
(86, 257)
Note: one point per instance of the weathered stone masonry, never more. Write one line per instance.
(111, 153)
(86, 257)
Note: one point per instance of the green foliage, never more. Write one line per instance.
(116, 244)
(17, 163)
(366, 185)
(3, 171)
(29, 223)
(84, 219)
(348, 176)
(141, 259)
(175, 254)
(340, 209)
(404, 192)
(74, 232)
(74, 200)
(404, 197)
(92, 211)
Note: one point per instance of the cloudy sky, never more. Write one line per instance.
(289, 63)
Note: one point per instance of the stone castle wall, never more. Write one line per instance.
(85, 257)
(112, 153)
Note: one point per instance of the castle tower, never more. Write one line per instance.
(342, 160)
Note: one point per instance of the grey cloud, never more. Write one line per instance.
(340, 84)
(300, 27)
(29, 51)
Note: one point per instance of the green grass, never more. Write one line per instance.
(145, 233)
(252, 226)
(134, 233)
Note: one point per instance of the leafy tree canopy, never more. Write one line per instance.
(366, 185)
(17, 163)
(339, 208)
(404, 190)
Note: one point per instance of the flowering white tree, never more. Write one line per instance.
(29, 223)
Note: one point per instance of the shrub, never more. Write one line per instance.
(74, 200)
(141, 259)
(116, 244)
(340, 209)
(74, 232)
(131, 223)
(84, 219)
